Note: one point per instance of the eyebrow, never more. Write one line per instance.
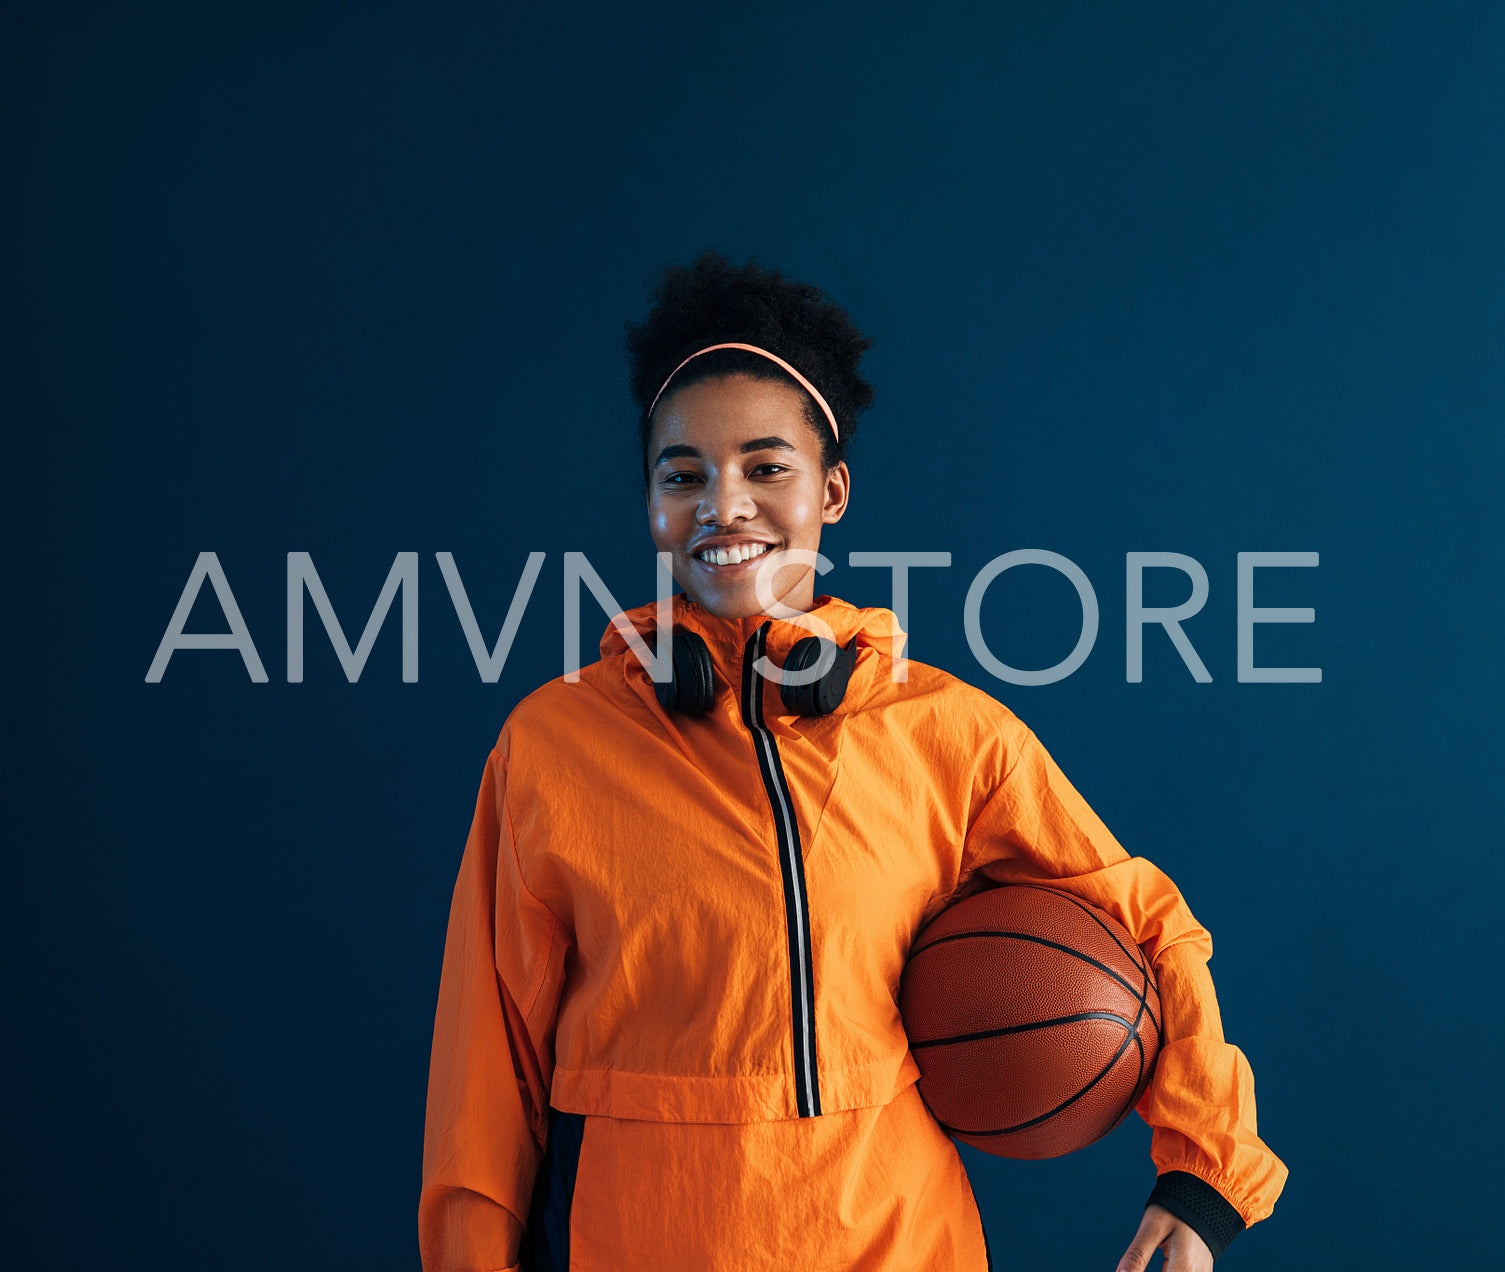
(680, 451)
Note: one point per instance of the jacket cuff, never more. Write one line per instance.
(1200, 1205)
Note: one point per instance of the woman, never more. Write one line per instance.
(667, 1033)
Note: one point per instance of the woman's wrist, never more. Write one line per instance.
(1201, 1206)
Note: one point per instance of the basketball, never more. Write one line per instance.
(1034, 1019)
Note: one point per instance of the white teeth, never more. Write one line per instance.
(733, 556)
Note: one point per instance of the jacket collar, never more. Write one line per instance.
(872, 628)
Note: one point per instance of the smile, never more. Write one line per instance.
(722, 559)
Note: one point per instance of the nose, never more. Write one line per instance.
(724, 500)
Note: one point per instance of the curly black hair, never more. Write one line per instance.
(710, 301)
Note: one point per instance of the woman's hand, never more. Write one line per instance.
(1184, 1250)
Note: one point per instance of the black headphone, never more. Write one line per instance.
(691, 690)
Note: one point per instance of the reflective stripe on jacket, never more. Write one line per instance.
(691, 930)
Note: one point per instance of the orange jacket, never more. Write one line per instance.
(690, 930)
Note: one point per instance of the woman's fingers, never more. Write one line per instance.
(1153, 1229)
(1184, 1250)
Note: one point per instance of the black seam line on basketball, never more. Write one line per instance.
(1144, 1010)
(1134, 1029)
(1045, 1117)
(792, 870)
(1038, 940)
(1002, 1030)
(1141, 963)
(1136, 955)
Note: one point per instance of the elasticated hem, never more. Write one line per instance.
(1199, 1204)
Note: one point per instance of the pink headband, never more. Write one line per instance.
(772, 357)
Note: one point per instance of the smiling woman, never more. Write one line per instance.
(667, 1033)
(741, 450)
(731, 483)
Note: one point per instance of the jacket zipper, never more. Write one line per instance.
(792, 863)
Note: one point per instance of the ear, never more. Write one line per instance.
(838, 489)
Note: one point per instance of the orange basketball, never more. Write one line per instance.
(1034, 1018)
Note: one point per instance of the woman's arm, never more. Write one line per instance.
(1214, 1172)
(493, 1053)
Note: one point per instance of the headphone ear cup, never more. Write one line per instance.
(799, 698)
(821, 696)
(692, 687)
(693, 664)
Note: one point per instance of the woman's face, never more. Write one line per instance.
(735, 466)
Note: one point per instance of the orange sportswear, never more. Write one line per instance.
(686, 933)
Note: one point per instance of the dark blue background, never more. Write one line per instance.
(350, 280)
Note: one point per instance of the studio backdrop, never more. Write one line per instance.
(317, 428)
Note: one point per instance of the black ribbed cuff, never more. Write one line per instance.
(1199, 1204)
